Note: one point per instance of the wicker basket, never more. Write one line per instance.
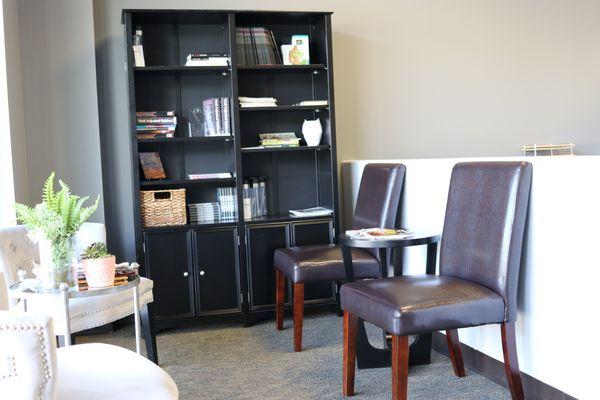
(163, 207)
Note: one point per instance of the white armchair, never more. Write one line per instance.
(31, 368)
(18, 252)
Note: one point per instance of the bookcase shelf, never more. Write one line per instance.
(237, 255)
(181, 68)
(281, 67)
(170, 228)
(269, 219)
(184, 182)
(284, 108)
(188, 139)
(290, 149)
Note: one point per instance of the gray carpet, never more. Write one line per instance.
(226, 361)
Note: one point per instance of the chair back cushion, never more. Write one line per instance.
(90, 232)
(17, 251)
(3, 293)
(377, 204)
(27, 356)
(484, 226)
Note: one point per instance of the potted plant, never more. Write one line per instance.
(98, 266)
(52, 224)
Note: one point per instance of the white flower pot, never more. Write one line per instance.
(99, 272)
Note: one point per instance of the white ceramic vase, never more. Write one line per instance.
(312, 132)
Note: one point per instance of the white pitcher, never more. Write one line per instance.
(312, 132)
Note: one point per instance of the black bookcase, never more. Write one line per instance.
(227, 267)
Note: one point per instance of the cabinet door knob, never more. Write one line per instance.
(201, 273)
(185, 274)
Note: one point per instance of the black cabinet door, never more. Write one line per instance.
(262, 241)
(168, 264)
(216, 270)
(311, 233)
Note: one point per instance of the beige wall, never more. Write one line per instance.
(413, 78)
(450, 78)
(54, 97)
(15, 104)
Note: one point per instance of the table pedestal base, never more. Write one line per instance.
(368, 356)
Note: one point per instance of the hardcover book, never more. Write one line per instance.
(152, 165)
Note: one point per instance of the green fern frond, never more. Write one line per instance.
(60, 215)
(87, 212)
(48, 196)
(25, 214)
(75, 214)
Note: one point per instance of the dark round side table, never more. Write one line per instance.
(368, 356)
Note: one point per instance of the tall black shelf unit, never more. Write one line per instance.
(227, 267)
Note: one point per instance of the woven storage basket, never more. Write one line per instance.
(163, 207)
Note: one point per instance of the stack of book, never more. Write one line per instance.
(216, 117)
(155, 124)
(227, 198)
(311, 212)
(324, 103)
(281, 139)
(122, 277)
(207, 60)
(256, 46)
(216, 175)
(248, 102)
(202, 213)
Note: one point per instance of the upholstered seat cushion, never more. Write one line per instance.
(101, 371)
(90, 312)
(323, 263)
(417, 304)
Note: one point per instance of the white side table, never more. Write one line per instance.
(31, 288)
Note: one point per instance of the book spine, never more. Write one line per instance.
(155, 113)
(209, 122)
(138, 56)
(226, 115)
(249, 53)
(278, 56)
(157, 120)
(155, 127)
(218, 118)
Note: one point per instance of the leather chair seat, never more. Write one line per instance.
(412, 305)
(323, 263)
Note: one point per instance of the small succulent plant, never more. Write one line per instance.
(95, 250)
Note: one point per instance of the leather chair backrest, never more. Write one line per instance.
(484, 226)
(378, 201)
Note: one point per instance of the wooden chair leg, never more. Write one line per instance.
(279, 298)
(298, 315)
(149, 333)
(511, 362)
(399, 367)
(455, 353)
(350, 328)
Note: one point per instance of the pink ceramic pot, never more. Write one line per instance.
(99, 272)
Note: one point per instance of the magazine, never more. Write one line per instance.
(379, 234)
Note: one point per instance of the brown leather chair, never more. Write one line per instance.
(377, 205)
(480, 258)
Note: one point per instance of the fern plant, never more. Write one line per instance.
(60, 214)
(52, 223)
